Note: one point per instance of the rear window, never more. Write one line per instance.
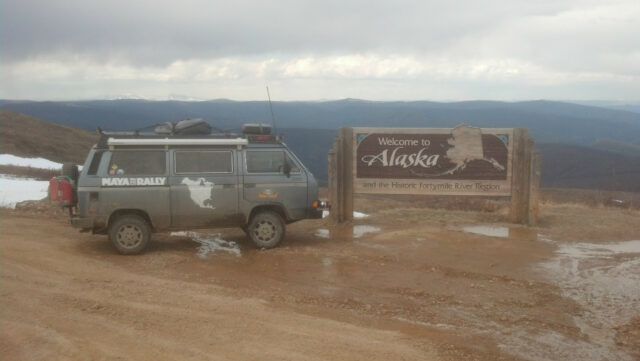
(203, 162)
(128, 162)
(269, 162)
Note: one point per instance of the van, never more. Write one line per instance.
(134, 184)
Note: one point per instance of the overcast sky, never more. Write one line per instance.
(313, 50)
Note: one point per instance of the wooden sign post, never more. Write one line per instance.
(433, 161)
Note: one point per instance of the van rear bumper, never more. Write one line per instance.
(82, 222)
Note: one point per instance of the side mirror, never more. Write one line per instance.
(286, 169)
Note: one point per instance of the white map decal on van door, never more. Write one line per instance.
(200, 191)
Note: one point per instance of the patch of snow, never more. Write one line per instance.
(322, 233)
(356, 214)
(359, 215)
(15, 189)
(362, 229)
(545, 238)
(491, 231)
(10, 159)
(210, 243)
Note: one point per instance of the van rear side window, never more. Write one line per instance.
(95, 163)
(131, 162)
(203, 162)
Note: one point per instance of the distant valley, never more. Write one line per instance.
(582, 146)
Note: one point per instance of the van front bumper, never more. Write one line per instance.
(317, 211)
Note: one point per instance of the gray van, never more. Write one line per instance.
(133, 184)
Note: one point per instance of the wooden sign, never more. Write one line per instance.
(459, 161)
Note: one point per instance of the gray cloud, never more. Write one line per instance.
(160, 32)
(493, 45)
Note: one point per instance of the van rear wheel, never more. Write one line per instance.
(266, 229)
(129, 234)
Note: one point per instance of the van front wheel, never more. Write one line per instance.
(266, 229)
(129, 234)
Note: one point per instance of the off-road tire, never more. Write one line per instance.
(129, 234)
(71, 170)
(266, 229)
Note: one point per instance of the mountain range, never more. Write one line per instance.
(582, 146)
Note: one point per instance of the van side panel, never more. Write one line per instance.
(204, 199)
(154, 201)
(147, 193)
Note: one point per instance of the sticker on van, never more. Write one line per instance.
(134, 182)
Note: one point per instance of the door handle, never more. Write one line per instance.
(249, 185)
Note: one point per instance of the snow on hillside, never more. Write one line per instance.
(15, 189)
(10, 159)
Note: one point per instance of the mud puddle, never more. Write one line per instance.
(210, 243)
(491, 231)
(348, 233)
(604, 279)
(498, 231)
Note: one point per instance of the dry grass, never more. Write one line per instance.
(591, 198)
(582, 222)
(27, 136)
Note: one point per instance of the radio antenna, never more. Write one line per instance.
(273, 118)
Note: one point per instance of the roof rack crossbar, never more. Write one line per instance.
(175, 141)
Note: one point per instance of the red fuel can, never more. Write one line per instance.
(61, 191)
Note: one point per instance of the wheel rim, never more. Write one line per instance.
(129, 236)
(265, 231)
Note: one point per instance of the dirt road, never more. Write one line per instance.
(401, 284)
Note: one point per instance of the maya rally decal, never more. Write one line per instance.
(134, 181)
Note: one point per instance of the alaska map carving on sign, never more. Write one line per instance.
(467, 146)
(462, 154)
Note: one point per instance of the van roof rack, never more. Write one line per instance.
(137, 138)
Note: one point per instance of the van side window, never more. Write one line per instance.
(271, 161)
(131, 162)
(203, 162)
(95, 163)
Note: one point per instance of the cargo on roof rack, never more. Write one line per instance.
(184, 127)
